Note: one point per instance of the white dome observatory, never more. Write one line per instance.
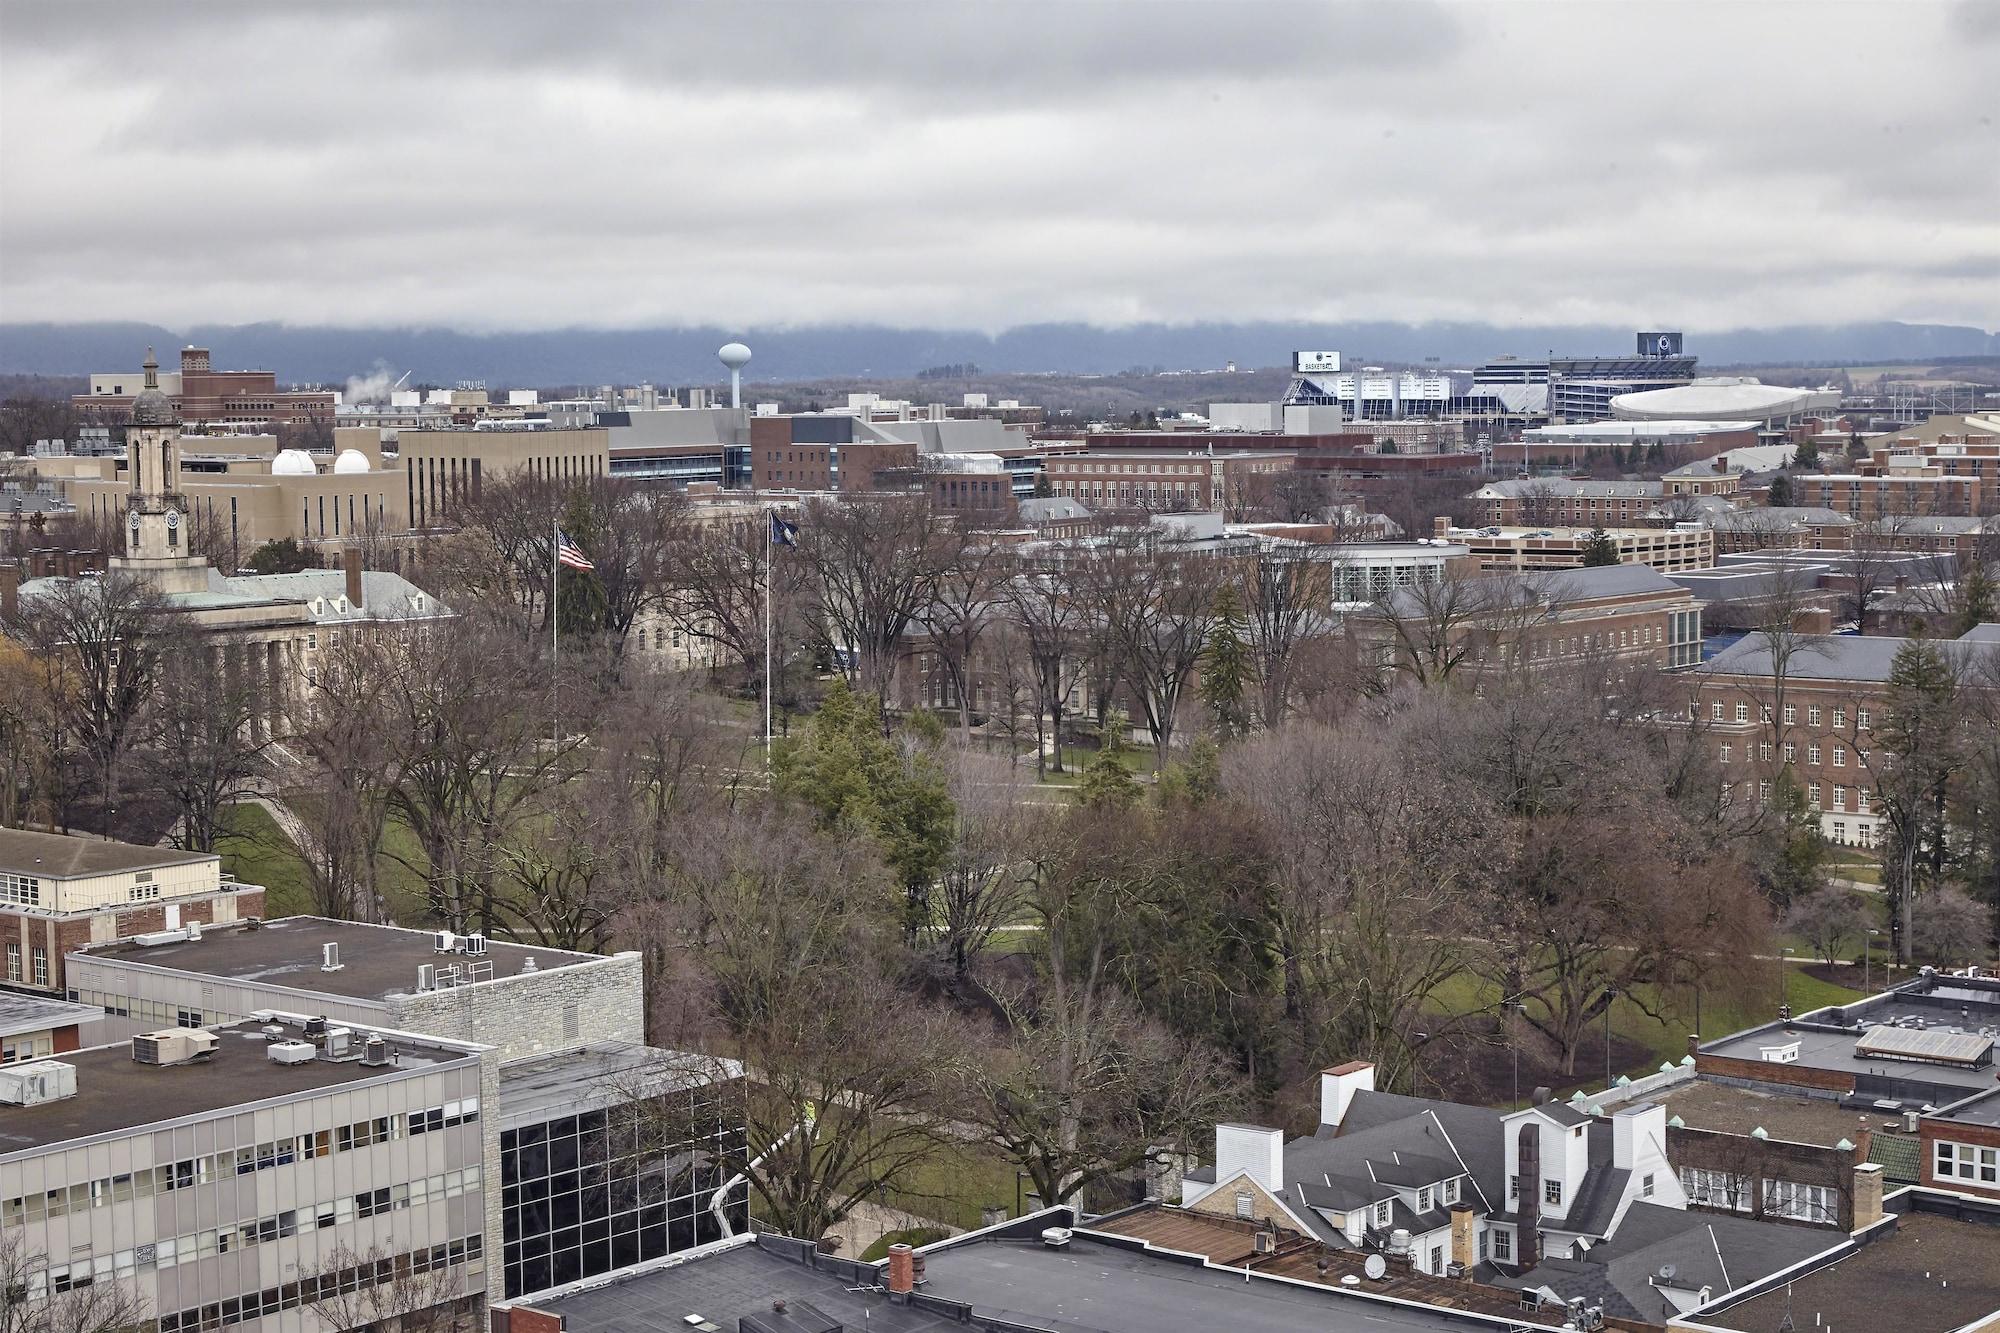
(735, 356)
(293, 463)
(349, 462)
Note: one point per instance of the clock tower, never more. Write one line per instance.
(156, 530)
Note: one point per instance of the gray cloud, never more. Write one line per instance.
(528, 165)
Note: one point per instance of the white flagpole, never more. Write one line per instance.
(770, 540)
(555, 536)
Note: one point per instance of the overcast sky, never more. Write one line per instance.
(501, 166)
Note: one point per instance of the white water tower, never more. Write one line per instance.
(735, 356)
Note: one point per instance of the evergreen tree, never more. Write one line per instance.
(1107, 784)
(852, 777)
(1975, 601)
(1781, 492)
(1225, 668)
(1044, 488)
(1807, 454)
(1599, 549)
(1195, 780)
(1920, 741)
(283, 556)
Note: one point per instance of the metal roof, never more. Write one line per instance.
(1933, 1045)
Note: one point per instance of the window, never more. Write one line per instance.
(1503, 1244)
(1791, 714)
(1812, 795)
(1861, 800)
(1800, 1202)
(1763, 793)
(1812, 754)
(1646, 1186)
(1716, 1189)
(1861, 718)
(1840, 756)
(1552, 1192)
(1424, 1199)
(1437, 1260)
(1791, 752)
(1513, 1187)
(1763, 712)
(1723, 755)
(1812, 717)
(1967, 1161)
(23, 889)
(1450, 1191)
(1243, 1206)
(1839, 717)
(41, 966)
(1764, 751)
(1743, 712)
(1382, 1214)
(13, 961)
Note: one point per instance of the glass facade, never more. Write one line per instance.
(589, 1193)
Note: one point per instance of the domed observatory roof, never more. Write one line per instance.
(293, 463)
(349, 462)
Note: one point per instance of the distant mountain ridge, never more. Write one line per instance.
(687, 355)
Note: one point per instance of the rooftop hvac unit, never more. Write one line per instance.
(290, 1052)
(375, 1051)
(193, 931)
(173, 1046)
(33, 1084)
(339, 1043)
(154, 939)
(443, 941)
(474, 943)
(330, 958)
(314, 1028)
(1056, 1238)
(1264, 1242)
(426, 976)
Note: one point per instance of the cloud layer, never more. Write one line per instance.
(518, 166)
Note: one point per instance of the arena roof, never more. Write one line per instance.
(1723, 399)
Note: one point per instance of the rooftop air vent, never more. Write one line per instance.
(1056, 1238)
(33, 1084)
(173, 1046)
(290, 1053)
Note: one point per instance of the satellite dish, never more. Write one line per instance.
(1667, 1272)
(1375, 1267)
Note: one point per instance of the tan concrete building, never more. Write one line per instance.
(1495, 549)
(442, 467)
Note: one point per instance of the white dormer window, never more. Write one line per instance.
(319, 606)
(340, 604)
(1451, 1190)
(1382, 1213)
(1552, 1193)
(1424, 1199)
(417, 601)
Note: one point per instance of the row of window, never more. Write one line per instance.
(25, 890)
(1864, 800)
(325, 1287)
(1813, 754)
(39, 959)
(206, 1169)
(1717, 712)
(146, 1011)
(1791, 1199)
(1966, 1161)
(198, 1245)
(1552, 1191)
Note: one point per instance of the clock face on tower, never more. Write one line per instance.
(173, 518)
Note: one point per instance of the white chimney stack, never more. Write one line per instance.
(1337, 1087)
(1251, 1150)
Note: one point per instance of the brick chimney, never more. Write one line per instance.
(1528, 1206)
(10, 590)
(350, 561)
(903, 1270)
(1464, 1238)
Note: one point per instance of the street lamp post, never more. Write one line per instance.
(1785, 991)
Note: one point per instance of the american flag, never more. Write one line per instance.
(569, 555)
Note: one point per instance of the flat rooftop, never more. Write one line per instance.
(1980, 1109)
(115, 1093)
(1795, 1118)
(61, 856)
(1930, 1275)
(375, 961)
(589, 1077)
(33, 1013)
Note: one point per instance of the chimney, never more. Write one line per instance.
(10, 591)
(350, 560)
(1251, 1150)
(1464, 1238)
(1867, 1195)
(902, 1270)
(1441, 526)
(1634, 1131)
(1528, 1206)
(1337, 1087)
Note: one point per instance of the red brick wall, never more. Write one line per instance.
(1930, 1131)
(61, 935)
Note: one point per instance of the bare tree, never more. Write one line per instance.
(1055, 622)
(1287, 596)
(1159, 606)
(1832, 920)
(876, 562)
(338, 790)
(99, 645)
(980, 885)
(203, 732)
(720, 569)
(964, 599)
(28, 1306)
(381, 1292)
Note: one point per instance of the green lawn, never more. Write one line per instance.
(955, 1183)
(258, 852)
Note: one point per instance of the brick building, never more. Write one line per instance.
(202, 393)
(1911, 492)
(1974, 453)
(827, 452)
(1822, 731)
(1560, 502)
(1141, 479)
(60, 893)
(34, 1027)
(1518, 550)
(1783, 527)
(1961, 1145)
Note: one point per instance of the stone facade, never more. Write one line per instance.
(534, 1013)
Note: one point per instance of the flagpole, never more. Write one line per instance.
(770, 540)
(555, 559)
